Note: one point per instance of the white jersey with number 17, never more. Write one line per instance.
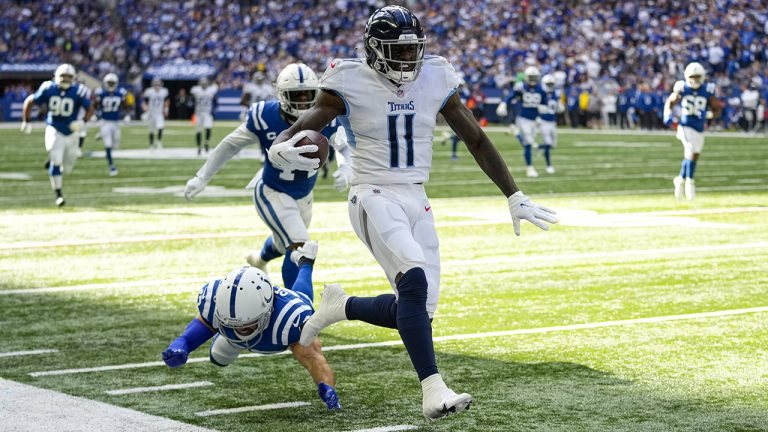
(390, 128)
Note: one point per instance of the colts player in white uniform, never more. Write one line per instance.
(155, 107)
(699, 102)
(110, 100)
(387, 104)
(64, 98)
(283, 198)
(244, 311)
(205, 96)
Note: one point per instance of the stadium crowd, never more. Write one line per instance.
(622, 53)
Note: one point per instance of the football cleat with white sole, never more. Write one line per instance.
(550, 169)
(442, 402)
(690, 189)
(113, 171)
(678, 182)
(60, 201)
(331, 310)
(305, 252)
(531, 172)
(254, 260)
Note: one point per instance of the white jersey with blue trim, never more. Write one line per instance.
(264, 120)
(108, 103)
(291, 310)
(390, 128)
(531, 97)
(695, 103)
(204, 98)
(63, 105)
(155, 100)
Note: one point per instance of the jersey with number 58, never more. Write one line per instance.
(63, 105)
(291, 309)
(390, 128)
(695, 103)
(264, 121)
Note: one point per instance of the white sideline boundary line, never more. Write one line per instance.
(24, 353)
(465, 336)
(554, 260)
(388, 428)
(158, 388)
(481, 220)
(251, 408)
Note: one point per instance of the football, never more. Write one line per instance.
(318, 139)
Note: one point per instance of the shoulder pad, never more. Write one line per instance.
(711, 88)
(679, 86)
(337, 65)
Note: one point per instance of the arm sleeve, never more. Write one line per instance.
(303, 284)
(226, 150)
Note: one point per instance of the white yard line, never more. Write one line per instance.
(24, 408)
(476, 219)
(158, 388)
(388, 428)
(251, 408)
(25, 353)
(554, 260)
(466, 336)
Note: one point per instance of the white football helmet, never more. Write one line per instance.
(204, 82)
(110, 82)
(64, 76)
(695, 75)
(157, 83)
(244, 303)
(531, 75)
(297, 88)
(548, 81)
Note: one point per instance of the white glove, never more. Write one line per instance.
(286, 156)
(501, 110)
(342, 178)
(77, 125)
(195, 185)
(25, 127)
(520, 207)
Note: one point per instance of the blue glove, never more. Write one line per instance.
(668, 121)
(329, 396)
(175, 356)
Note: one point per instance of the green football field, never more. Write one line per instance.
(635, 313)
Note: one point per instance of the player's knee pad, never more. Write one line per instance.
(223, 353)
(688, 153)
(412, 285)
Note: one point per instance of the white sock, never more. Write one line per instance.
(432, 382)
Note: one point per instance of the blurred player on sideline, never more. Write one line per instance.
(64, 98)
(205, 99)
(155, 106)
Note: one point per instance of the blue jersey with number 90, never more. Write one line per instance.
(63, 105)
(265, 122)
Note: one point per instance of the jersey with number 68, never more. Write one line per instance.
(63, 105)
(291, 309)
(390, 128)
(695, 103)
(264, 121)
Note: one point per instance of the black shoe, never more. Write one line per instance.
(47, 164)
(206, 148)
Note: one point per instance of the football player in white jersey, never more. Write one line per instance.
(155, 107)
(258, 89)
(205, 97)
(387, 104)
